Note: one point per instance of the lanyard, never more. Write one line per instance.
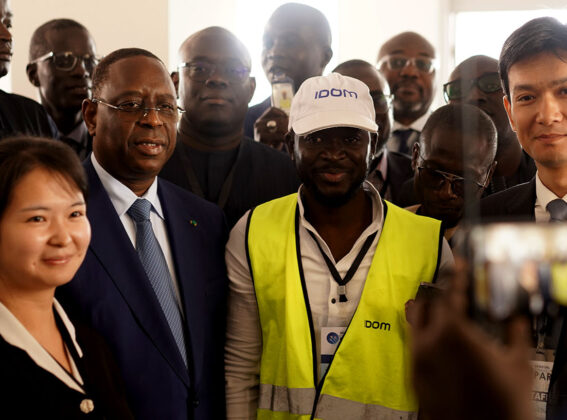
(342, 282)
(194, 182)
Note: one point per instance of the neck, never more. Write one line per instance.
(408, 119)
(33, 309)
(555, 179)
(65, 121)
(508, 156)
(341, 226)
(208, 141)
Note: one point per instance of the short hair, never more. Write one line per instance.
(38, 43)
(545, 34)
(21, 155)
(463, 118)
(350, 64)
(100, 74)
(315, 19)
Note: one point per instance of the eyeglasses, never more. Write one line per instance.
(382, 102)
(435, 179)
(135, 111)
(399, 62)
(201, 71)
(67, 61)
(458, 89)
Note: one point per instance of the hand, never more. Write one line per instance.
(271, 127)
(460, 372)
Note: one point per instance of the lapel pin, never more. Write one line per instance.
(193, 222)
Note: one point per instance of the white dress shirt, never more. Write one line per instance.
(122, 199)
(14, 333)
(244, 338)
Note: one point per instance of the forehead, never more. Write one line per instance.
(144, 75)
(473, 68)
(542, 70)
(290, 23)
(368, 75)
(214, 46)
(450, 143)
(409, 44)
(70, 39)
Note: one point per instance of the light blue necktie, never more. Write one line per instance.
(557, 210)
(155, 266)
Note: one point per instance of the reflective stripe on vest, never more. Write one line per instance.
(369, 374)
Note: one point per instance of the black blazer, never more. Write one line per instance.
(27, 391)
(514, 204)
(517, 204)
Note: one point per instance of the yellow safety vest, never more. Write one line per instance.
(369, 375)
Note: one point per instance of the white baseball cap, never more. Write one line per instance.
(332, 101)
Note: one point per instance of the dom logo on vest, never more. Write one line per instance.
(377, 325)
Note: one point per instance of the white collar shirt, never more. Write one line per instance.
(543, 196)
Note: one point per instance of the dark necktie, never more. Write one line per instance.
(404, 137)
(557, 210)
(155, 266)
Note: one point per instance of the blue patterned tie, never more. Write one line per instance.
(155, 266)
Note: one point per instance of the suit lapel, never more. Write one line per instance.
(524, 200)
(113, 248)
(184, 240)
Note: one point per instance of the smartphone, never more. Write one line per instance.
(282, 94)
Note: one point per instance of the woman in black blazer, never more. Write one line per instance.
(50, 367)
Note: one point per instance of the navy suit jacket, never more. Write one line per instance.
(112, 293)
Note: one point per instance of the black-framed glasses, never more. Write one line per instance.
(200, 71)
(382, 102)
(399, 62)
(434, 178)
(135, 111)
(458, 89)
(68, 60)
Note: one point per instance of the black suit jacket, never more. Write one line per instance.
(112, 293)
(27, 391)
(514, 204)
(517, 204)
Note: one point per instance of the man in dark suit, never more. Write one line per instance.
(61, 62)
(213, 158)
(296, 46)
(388, 170)
(533, 69)
(153, 284)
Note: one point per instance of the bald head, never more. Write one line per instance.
(475, 81)
(378, 86)
(218, 37)
(296, 43)
(408, 62)
(214, 84)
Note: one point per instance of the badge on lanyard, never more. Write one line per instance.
(330, 339)
(542, 375)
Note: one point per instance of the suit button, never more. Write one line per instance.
(195, 402)
(87, 406)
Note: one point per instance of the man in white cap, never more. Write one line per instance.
(332, 264)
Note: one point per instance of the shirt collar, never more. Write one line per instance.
(123, 197)
(12, 330)
(383, 164)
(416, 125)
(544, 195)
